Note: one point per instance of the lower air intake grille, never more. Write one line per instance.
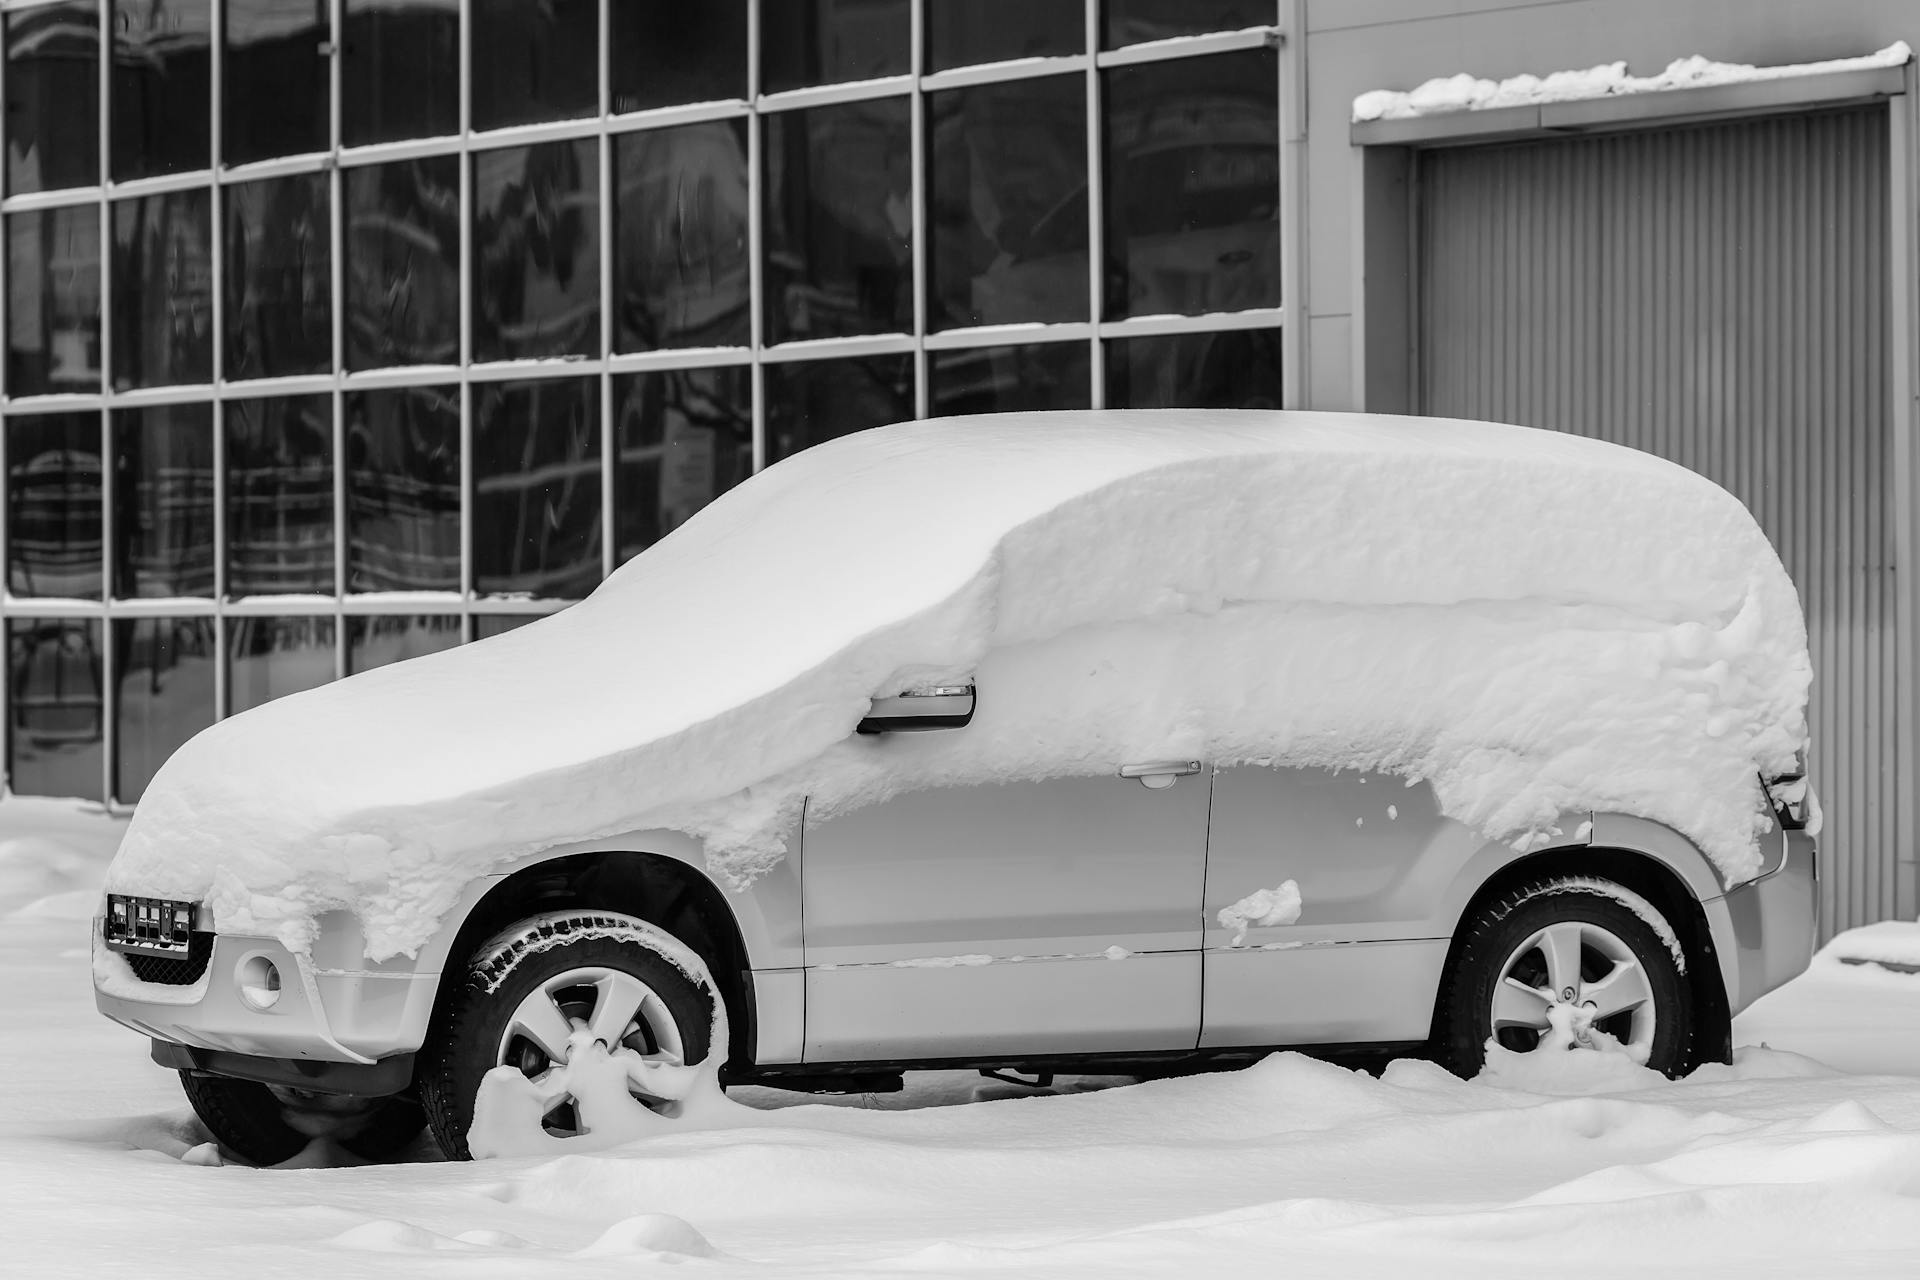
(174, 971)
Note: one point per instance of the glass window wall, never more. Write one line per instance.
(56, 708)
(399, 70)
(536, 251)
(279, 277)
(268, 658)
(163, 694)
(277, 80)
(668, 52)
(534, 60)
(685, 436)
(53, 301)
(403, 263)
(163, 290)
(403, 490)
(536, 487)
(163, 501)
(53, 96)
(279, 496)
(161, 88)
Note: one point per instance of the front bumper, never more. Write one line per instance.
(1765, 930)
(322, 1015)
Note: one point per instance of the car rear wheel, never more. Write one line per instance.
(536, 994)
(267, 1126)
(1569, 963)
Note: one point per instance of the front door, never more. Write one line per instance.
(1059, 916)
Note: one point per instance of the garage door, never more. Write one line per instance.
(1716, 294)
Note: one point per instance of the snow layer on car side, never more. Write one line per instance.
(1465, 92)
(1533, 622)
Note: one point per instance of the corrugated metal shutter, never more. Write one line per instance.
(1718, 295)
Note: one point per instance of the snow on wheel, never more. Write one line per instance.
(573, 1029)
(1569, 963)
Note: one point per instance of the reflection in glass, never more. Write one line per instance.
(1193, 185)
(807, 42)
(53, 301)
(53, 97)
(1133, 21)
(163, 684)
(160, 86)
(486, 625)
(403, 490)
(268, 658)
(56, 708)
(399, 70)
(163, 290)
(276, 75)
(403, 263)
(680, 210)
(1007, 203)
(1044, 375)
(279, 495)
(963, 32)
(279, 278)
(377, 641)
(536, 487)
(839, 221)
(668, 52)
(534, 61)
(685, 437)
(163, 501)
(1239, 369)
(536, 251)
(809, 401)
(53, 505)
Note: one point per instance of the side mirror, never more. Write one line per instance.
(946, 706)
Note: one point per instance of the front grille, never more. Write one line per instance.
(174, 971)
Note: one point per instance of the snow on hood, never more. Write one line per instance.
(1533, 622)
(1465, 92)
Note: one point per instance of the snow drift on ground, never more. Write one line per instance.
(1536, 623)
(1464, 92)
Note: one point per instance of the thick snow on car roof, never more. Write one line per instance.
(1536, 623)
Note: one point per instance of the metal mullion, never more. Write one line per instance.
(159, 185)
(1096, 214)
(372, 153)
(827, 95)
(445, 604)
(300, 606)
(219, 418)
(1293, 230)
(1188, 46)
(109, 689)
(401, 376)
(148, 397)
(161, 607)
(53, 607)
(299, 384)
(917, 179)
(687, 113)
(872, 344)
(337, 290)
(605, 210)
(678, 358)
(6, 254)
(1008, 335)
(1004, 72)
(526, 135)
(466, 305)
(58, 402)
(1206, 322)
(756, 246)
(542, 367)
(278, 167)
(64, 198)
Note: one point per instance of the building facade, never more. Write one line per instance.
(344, 330)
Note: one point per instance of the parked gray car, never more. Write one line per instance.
(1147, 915)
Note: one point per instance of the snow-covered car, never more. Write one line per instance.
(1138, 742)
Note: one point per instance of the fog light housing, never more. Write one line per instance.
(259, 981)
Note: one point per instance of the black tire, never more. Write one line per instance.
(465, 1039)
(264, 1126)
(1487, 941)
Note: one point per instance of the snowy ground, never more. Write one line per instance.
(1802, 1159)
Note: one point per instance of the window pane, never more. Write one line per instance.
(56, 707)
(1045, 375)
(161, 87)
(1132, 21)
(1193, 185)
(163, 290)
(486, 625)
(276, 80)
(1007, 197)
(536, 481)
(839, 221)
(962, 32)
(681, 232)
(375, 642)
(805, 42)
(403, 490)
(685, 438)
(279, 278)
(813, 400)
(534, 60)
(53, 97)
(1237, 370)
(536, 251)
(53, 301)
(163, 679)
(666, 52)
(279, 496)
(268, 658)
(53, 505)
(403, 263)
(399, 70)
(163, 501)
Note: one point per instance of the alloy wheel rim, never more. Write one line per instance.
(619, 1010)
(1574, 985)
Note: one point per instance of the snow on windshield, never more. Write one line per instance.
(1534, 623)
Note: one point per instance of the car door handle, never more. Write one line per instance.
(1161, 773)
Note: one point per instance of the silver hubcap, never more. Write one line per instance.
(607, 1006)
(1574, 985)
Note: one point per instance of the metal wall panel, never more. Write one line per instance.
(1716, 294)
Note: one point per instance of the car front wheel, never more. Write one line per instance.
(1566, 963)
